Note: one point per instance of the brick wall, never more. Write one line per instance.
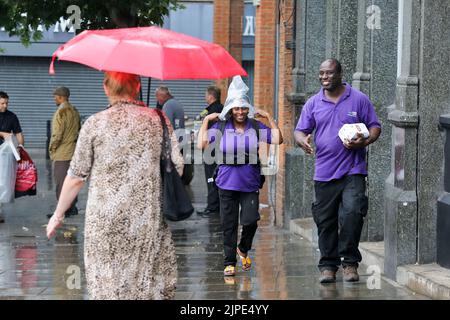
(228, 33)
(286, 112)
(228, 24)
(264, 76)
(267, 15)
(265, 55)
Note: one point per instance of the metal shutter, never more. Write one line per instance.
(30, 88)
(191, 93)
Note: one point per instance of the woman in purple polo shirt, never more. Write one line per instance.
(239, 176)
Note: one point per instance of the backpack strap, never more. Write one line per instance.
(255, 126)
(222, 124)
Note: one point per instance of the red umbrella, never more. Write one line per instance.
(151, 52)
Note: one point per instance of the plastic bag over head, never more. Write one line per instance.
(237, 97)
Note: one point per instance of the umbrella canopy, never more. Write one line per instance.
(151, 52)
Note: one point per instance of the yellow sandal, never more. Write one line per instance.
(245, 260)
(229, 271)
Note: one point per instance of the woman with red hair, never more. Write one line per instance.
(128, 249)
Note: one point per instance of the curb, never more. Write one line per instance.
(430, 280)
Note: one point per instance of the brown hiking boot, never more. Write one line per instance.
(327, 276)
(351, 274)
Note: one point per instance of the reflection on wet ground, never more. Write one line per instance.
(284, 265)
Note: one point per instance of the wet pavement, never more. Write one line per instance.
(284, 264)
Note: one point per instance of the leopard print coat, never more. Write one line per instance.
(128, 248)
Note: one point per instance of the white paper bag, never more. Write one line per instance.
(350, 131)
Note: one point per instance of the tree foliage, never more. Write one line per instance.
(95, 14)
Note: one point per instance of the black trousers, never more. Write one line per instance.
(339, 212)
(60, 171)
(213, 192)
(229, 214)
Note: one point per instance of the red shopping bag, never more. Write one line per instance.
(26, 179)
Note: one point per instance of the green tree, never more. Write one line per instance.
(95, 14)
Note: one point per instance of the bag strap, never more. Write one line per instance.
(255, 126)
(166, 144)
(222, 124)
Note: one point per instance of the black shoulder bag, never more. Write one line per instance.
(177, 205)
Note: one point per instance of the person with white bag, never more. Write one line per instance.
(344, 123)
(9, 127)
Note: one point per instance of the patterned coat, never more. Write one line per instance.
(128, 248)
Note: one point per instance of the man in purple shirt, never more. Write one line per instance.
(340, 171)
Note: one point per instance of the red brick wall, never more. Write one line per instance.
(264, 76)
(266, 22)
(286, 114)
(228, 24)
(228, 33)
(265, 55)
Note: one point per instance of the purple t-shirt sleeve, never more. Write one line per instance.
(306, 123)
(368, 115)
(265, 133)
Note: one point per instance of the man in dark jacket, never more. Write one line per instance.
(212, 97)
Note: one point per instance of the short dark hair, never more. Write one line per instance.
(214, 91)
(62, 92)
(3, 95)
(336, 63)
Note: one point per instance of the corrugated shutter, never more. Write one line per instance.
(30, 88)
(191, 93)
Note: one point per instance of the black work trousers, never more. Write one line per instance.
(339, 212)
(213, 191)
(230, 214)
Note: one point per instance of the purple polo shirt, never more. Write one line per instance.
(333, 160)
(244, 177)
